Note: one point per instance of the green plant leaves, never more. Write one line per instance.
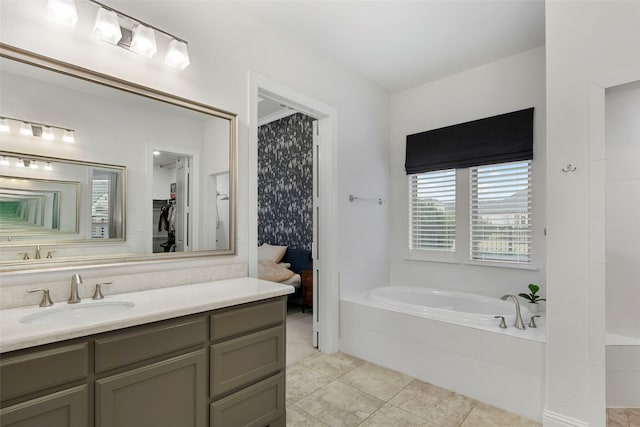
(533, 288)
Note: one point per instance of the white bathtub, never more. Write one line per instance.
(623, 371)
(451, 306)
(449, 339)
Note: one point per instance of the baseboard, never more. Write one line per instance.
(554, 419)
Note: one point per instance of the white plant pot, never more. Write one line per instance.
(534, 308)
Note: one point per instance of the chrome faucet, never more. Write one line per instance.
(519, 323)
(75, 281)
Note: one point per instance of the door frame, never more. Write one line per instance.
(328, 297)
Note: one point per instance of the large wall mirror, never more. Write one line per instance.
(95, 169)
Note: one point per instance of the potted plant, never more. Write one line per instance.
(532, 297)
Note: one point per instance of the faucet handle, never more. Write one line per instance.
(50, 254)
(97, 294)
(532, 322)
(25, 255)
(503, 324)
(46, 300)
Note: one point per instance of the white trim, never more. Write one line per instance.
(328, 312)
(552, 419)
(281, 114)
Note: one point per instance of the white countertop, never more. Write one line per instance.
(150, 306)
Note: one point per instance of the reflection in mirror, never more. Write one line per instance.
(44, 204)
(113, 123)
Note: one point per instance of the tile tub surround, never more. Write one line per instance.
(150, 306)
(341, 390)
(493, 367)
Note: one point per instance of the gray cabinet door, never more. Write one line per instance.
(165, 394)
(67, 408)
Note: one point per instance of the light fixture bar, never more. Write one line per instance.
(135, 20)
(32, 123)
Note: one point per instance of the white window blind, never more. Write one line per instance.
(432, 207)
(501, 212)
(100, 209)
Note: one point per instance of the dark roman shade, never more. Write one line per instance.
(498, 139)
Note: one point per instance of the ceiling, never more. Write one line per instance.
(400, 44)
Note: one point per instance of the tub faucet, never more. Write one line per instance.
(75, 281)
(519, 323)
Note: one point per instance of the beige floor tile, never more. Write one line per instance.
(376, 380)
(390, 415)
(435, 404)
(623, 417)
(340, 405)
(489, 416)
(299, 338)
(296, 417)
(634, 417)
(302, 381)
(334, 365)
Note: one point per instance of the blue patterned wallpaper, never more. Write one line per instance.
(285, 182)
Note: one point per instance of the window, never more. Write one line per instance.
(496, 209)
(501, 212)
(432, 210)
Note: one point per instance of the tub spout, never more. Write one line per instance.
(519, 323)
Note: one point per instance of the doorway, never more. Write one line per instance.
(325, 276)
(172, 198)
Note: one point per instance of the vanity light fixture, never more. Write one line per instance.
(25, 129)
(4, 161)
(123, 30)
(35, 129)
(68, 136)
(143, 41)
(47, 166)
(62, 12)
(47, 133)
(177, 56)
(4, 125)
(107, 26)
(33, 164)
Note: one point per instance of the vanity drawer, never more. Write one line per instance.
(28, 373)
(236, 321)
(255, 406)
(144, 343)
(247, 359)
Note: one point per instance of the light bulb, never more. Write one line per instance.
(107, 26)
(25, 129)
(143, 41)
(47, 166)
(47, 133)
(4, 125)
(177, 55)
(20, 163)
(62, 12)
(33, 165)
(68, 136)
(4, 161)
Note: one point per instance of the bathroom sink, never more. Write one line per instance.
(77, 314)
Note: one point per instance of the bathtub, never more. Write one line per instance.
(449, 306)
(450, 339)
(623, 371)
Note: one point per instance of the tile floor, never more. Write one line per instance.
(340, 390)
(619, 417)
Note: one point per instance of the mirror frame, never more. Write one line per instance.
(33, 59)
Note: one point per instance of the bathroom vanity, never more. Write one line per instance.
(223, 365)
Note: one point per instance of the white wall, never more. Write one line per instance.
(506, 85)
(225, 43)
(588, 44)
(623, 210)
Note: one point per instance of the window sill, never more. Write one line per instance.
(503, 265)
(528, 267)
